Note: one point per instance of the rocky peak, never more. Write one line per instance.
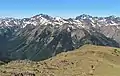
(83, 16)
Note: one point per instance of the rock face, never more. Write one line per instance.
(43, 36)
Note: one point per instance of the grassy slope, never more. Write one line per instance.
(88, 60)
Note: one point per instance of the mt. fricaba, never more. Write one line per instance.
(43, 36)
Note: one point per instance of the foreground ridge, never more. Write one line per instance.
(89, 60)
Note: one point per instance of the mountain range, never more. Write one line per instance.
(42, 36)
(88, 60)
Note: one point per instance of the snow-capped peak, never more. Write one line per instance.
(58, 19)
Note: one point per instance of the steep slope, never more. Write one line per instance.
(109, 26)
(89, 60)
(43, 41)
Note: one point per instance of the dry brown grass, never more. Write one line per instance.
(88, 60)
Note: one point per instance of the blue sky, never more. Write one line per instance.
(63, 8)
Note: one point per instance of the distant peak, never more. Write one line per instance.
(84, 16)
(112, 16)
(58, 18)
(43, 16)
